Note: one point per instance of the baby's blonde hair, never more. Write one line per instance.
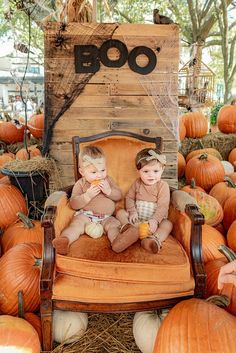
(92, 151)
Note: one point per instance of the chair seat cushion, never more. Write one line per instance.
(92, 272)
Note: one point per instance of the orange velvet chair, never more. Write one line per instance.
(92, 278)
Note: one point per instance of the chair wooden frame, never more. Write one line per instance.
(48, 266)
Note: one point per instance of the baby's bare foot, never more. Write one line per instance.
(61, 244)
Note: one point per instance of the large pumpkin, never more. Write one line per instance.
(223, 190)
(207, 171)
(17, 336)
(35, 321)
(181, 165)
(11, 202)
(36, 125)
(196, 124)
(20, 271)
(196, 326)
(24, 231)
(226, 119)
(231, 236)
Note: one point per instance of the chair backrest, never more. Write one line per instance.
(120, 148)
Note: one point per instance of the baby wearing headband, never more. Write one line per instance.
(146, 205)
(94, 197)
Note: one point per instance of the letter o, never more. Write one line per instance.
(113, 43)
(152, 60)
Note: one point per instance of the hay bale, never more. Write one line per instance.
(106, 333)
(224, 143)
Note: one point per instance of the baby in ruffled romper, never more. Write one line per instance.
(146, 201)
(94, 197)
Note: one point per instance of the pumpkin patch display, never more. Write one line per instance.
(23, 231)
(226, 119)
(20, 271)
(196, 124)
(207, 171)
(196, 326)
(69, 326)
(36, 125)
(11, 202)
(17, 336)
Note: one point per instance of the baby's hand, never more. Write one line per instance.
(104, 186)
(93, 191)
(133, 218)
(153, 225)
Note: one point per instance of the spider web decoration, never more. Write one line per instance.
(160, 85)
(63, 85)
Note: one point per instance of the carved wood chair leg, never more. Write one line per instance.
(46, 321)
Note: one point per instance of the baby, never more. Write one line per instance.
(94, 197)
(146, 201)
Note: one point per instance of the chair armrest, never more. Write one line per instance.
(197, 220)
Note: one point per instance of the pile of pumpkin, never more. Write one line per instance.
(20, 263)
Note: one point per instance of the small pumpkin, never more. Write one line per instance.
(192, 186)
(36, 125)
(69, 326)
(4, 158)
(94, 229)
(223, 190)
(11, 131)
(145, 327)
(226, 119)
(23, 155)
(17, 336)
(196, 124)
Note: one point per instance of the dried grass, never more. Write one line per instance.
(106, 333)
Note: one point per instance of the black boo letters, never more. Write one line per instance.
(88, 57)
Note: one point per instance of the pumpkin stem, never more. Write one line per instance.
(20, 296)
(220, 300)
(3, 145)
(203, 156)
(227, 252)
(192, 184)
(229, 182)
(25, 220)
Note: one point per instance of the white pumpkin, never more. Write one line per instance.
(94, 230)
(228, 167)
(145, 327)
(68, 326)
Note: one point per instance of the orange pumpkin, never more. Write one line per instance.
(182, 129)
(181, 165)
(231, 236)
(5, 180)
(11, 132)
(209, 207)
(226, 119)
(36, 125)
(11, 202)
(24, 231)
(211, 240)
(18, 336)
(20, 271)
(196, 326)
(229, 211)
(211, 151)
(223, 190)
(35, 321)
(4, 158)
(232, 157)
(233, 177)
(196, 124)
(207, 171)
(220, 229)
(22, 154)
(192, 186)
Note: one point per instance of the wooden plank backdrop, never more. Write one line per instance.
(112, 98)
